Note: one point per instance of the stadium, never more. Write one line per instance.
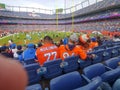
(70, 48)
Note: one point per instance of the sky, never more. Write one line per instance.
(46, 4)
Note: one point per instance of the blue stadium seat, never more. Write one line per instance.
(118, 48)
(84, 63)
(72, 64)
(99, 56)
(53, 68)
(113, 62)
(100, 70)
(93, 85)
(31, 69)
(116, 85)
(72, 81)
(34, 87)
(114, 52)
(107, 54)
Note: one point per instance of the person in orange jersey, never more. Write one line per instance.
(84, 41)
(47, 52)
(71, 49)
(93, 43)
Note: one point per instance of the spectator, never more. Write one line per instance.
(47, 52)
(11, 44)
(93, 43)
(71, 49)
(84, 42)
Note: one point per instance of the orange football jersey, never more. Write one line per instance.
(64, 52)
(47, 52)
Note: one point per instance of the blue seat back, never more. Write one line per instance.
(113, 62)
(84, 63)
(99, 56)
(94, 70)
(31, 69)
(29, 61)
(72, 64)
(93, 85)
(107, 54)
(67, 81)
(34, 87)
(53, 68)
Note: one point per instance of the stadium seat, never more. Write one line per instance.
(114, 52)
(31, 69)
(113, 62)
(98, 56)
(100, 70)
(93, 85)
(34, 87)
(116, 85)
(72, 81)
(107, 54)
(53, 68)
(72, 64)
(84, 63)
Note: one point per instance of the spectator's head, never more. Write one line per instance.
(31, 45)
(73, 39)
(84, 38)
(48, 39)
(19, 47)
(93, 39)
(10, 41)
(4, 48)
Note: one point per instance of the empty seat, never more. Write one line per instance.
(114, 52)
(31, 69)
(72, 81)
(98, 56)
(53, 68)
(113, 62)
(72, 64)
(93, 85)
(34, 87)
(84, 63)
(100, 70)
(107, 54)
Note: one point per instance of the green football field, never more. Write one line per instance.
(21, 38)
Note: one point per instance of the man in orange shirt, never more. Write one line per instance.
(93, 43)
(71, 49)
(47, 52)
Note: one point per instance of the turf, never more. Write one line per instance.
(20, 38)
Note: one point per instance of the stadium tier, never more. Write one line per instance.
(98, 14)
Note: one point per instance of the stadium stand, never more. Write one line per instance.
(103, 16)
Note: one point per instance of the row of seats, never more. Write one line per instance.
(109, 72)
(70, 81)
(54, 68)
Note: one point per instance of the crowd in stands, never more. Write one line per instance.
(97, 6)
(47, 50)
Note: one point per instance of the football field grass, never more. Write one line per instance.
(33, 37)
